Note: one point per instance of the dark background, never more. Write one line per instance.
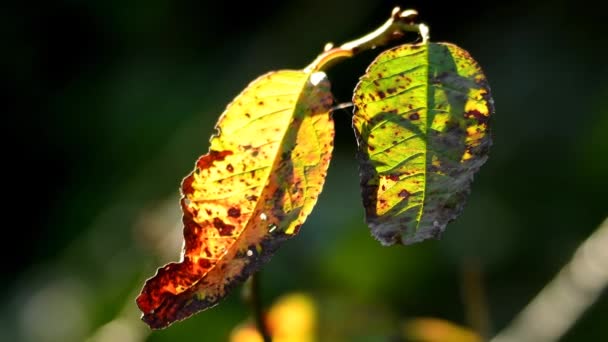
(110, 103)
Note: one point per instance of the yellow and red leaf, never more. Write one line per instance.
(260, 180)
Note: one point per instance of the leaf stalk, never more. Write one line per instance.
(400, 22)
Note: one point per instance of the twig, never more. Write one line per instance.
(474, 298)
(559, 305)
(256, 306)
(401, 21)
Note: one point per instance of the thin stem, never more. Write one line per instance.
(256, 306)
(474, 298)
(340, 106)
(401, 21)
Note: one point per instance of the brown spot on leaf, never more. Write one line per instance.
(261, 103)
(252, 198)
(381, 94)
(234, 212)
(404, 193)
(414, 116)
(223, 228)
(296, 229)
(208, 159)
(230, 168)
(204, 263)
(393, 177)
(391, 90)
(477, 115)
(187, 185)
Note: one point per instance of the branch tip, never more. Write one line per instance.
(394, 28)
(400, 22)
(409, 15)
(396, 12)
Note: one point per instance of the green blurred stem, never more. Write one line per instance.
(474, 298)
(254, 298)
(394, 28)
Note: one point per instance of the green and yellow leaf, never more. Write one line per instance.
(422, 115)
(261, 178)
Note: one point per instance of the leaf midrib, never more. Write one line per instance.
(247, 222)
(428, 85)
(260, 204)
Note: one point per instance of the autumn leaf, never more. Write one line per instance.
(261, 178)
(422, 115)
(437, 330)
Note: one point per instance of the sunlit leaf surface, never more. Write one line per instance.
(254, 189)
(422, 115)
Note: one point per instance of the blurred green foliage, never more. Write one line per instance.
(116, 100)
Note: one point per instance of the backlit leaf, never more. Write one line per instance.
(421, 119)
(253, 190)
